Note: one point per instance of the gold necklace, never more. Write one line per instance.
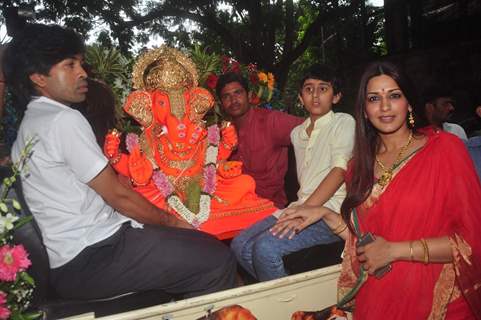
(387, 175)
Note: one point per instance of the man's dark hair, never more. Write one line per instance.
(36, 50)
(435, 91)
(229, 77)
(325, 73)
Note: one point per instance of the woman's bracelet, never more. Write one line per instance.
(339, 228)
(426, 250)
(411, 251)
(340, 231)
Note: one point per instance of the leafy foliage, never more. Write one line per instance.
(112, 67)
(271, 34)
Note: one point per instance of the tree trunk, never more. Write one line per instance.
(396, 26)
(417, 28)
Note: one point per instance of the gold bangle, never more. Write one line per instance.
(411, 251)
(339, 226)
(340, 231)
(426, 250)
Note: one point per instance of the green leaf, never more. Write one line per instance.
(33, 315)
(22, 221)
(27, 278)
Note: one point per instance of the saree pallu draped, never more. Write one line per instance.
(435, 194)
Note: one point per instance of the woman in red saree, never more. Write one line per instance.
(417, 192)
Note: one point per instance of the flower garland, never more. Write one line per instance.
(167, 190)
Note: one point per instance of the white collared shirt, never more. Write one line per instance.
(65, 157)
(455, 129)
(329, 146)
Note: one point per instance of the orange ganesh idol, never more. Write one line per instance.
(177, 162)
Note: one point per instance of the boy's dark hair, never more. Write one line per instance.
(229, 77)
(325, 73)
(35, 50)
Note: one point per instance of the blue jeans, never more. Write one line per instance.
(260, 253)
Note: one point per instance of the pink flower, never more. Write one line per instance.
(4, 313)
(252, 68)
(131, 141)
(12, 260)
(213, 136)
(162, 183)
(209, 179)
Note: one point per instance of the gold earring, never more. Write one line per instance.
(411, 119)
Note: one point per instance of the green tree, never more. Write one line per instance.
(273, 34)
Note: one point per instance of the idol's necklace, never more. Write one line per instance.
(387, 174)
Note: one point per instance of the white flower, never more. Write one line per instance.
(6, 222)
(211, 155)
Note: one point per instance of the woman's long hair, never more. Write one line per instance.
(99, 109)
(366, 141)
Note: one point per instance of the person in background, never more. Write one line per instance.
(474, 142)
(264, 137)
(413, 200)
(99, 109)
(438, 109)
(102, 238)
(323, 145)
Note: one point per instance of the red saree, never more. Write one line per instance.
(435, 194)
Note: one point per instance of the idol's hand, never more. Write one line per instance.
(229, 136)
(111, 145)
(140, 167)
(375, 255)
(229, 169)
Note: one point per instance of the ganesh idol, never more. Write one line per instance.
(178, 162)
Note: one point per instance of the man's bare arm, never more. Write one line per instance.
(129, 202)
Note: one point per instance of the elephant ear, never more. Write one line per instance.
(201, 101)
(139, 107)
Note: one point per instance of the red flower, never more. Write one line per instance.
(254, 99)
(235, 67)
(225, 59)
(225, 63)
(211, 81)
(254, 79)
(12, 260)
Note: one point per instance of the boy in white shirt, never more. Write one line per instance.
(323, 146)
